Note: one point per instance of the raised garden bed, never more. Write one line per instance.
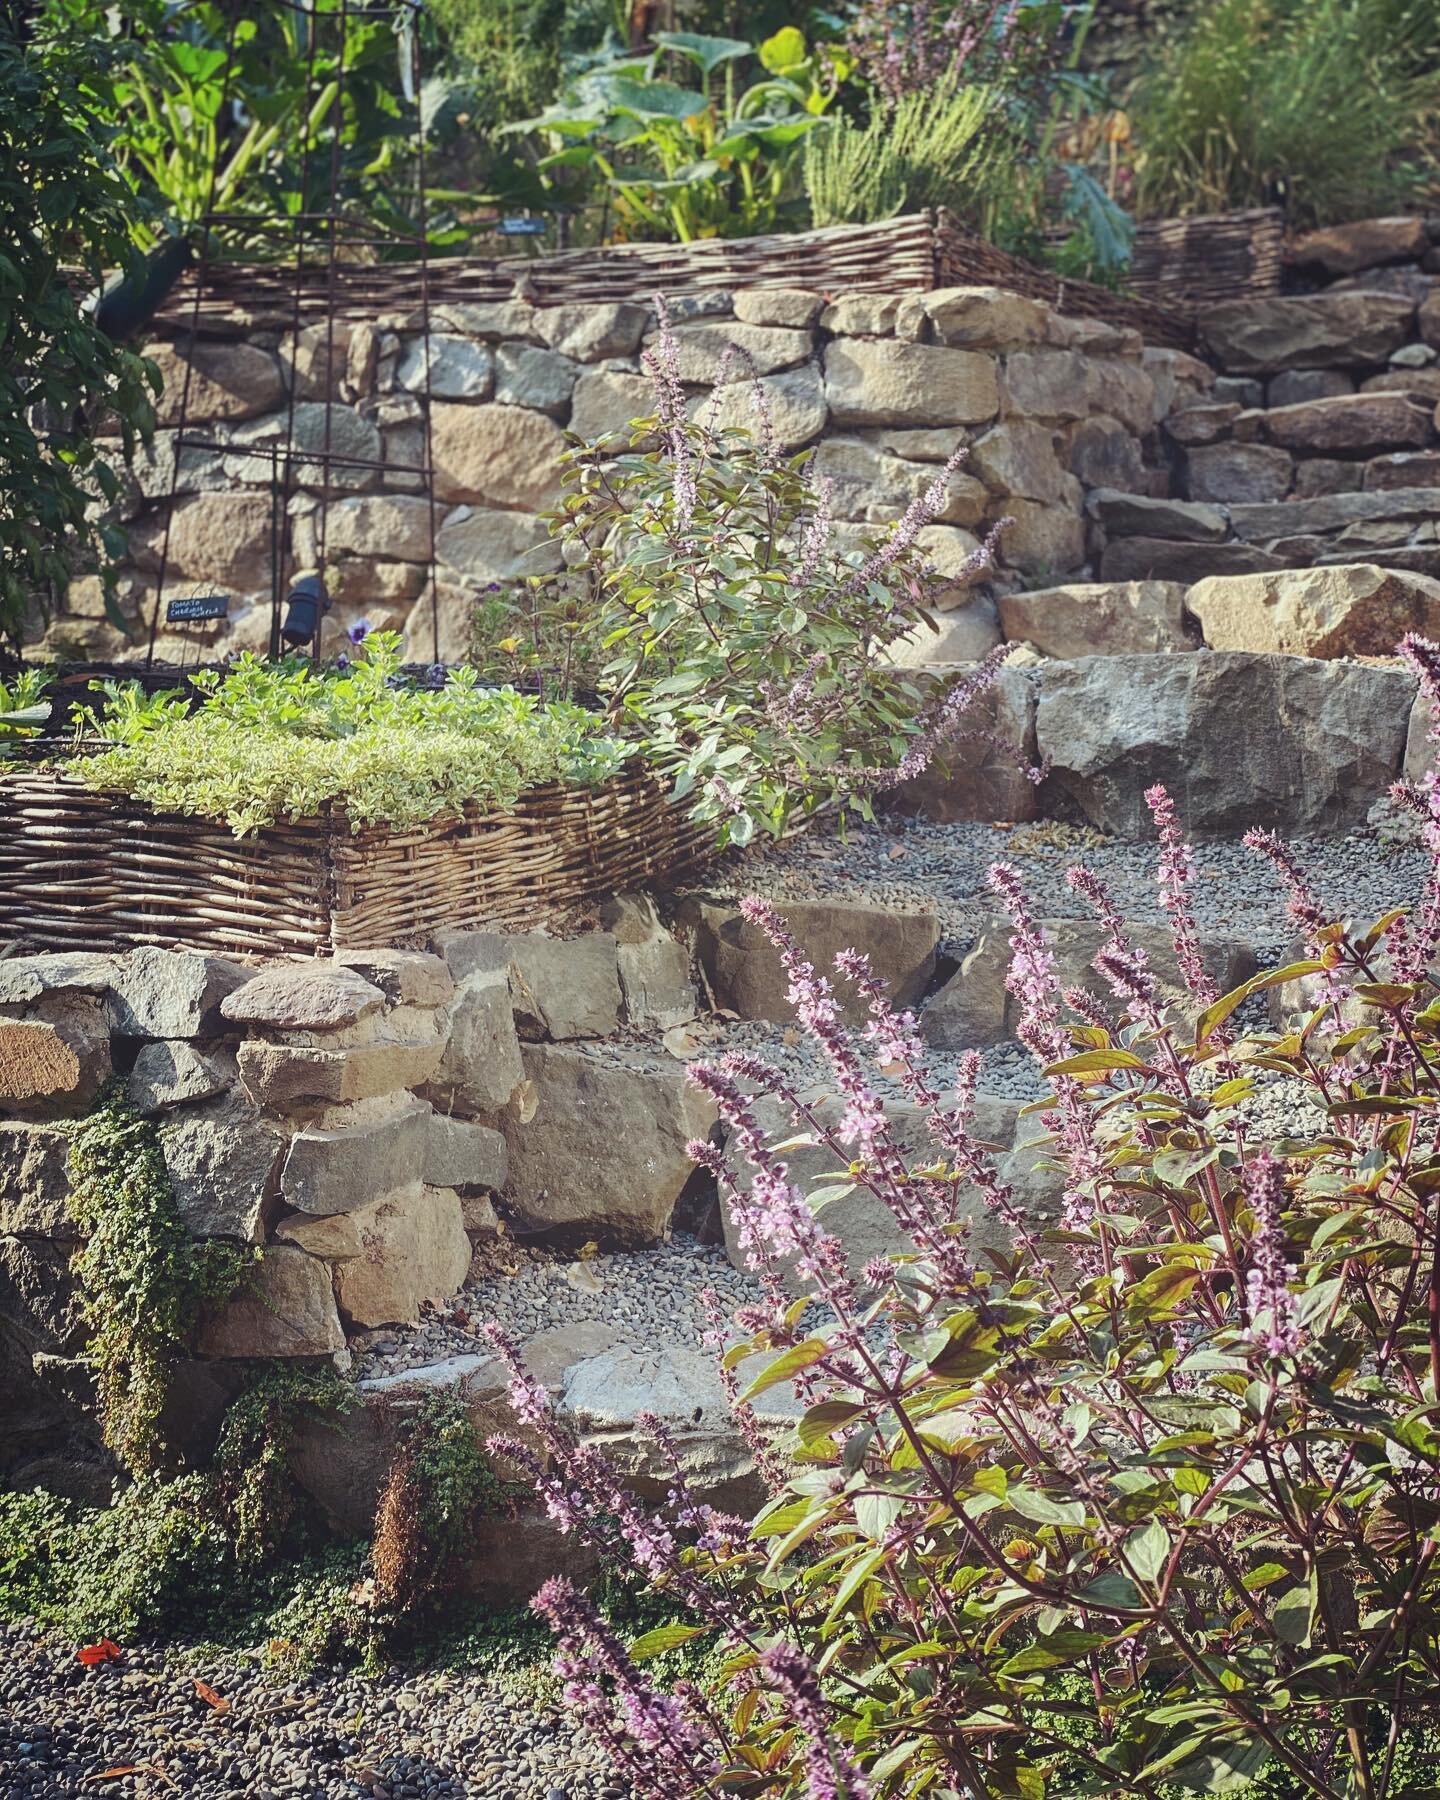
(95, 871)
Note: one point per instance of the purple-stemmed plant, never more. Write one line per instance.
(1149, 1502)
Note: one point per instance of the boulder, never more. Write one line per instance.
(1071, 384)
(1428, 321)
(1162, 559)
(214, 537)
(591, 332)
(225, 381)
(1137, 515)
(982, 318)
(1103, 453)
(486, 544)
(605, 1395)
(793, 402)
(861, 1221)
(961, 635)
(863, 315)
(975, 1007)
(34, 1181)
(172, 993)
(565, 987)
(56, 1058)
(313, 430)
(1406, 469)
(797, 308)
(1261, 336)
(285, 1076)
(603, 1153)
(391, 1257)
(395, 527)
(334, 360)
(1238, 739)
(1293, 386)
(459, 368)
(39, 1303)
(885, 383)
(1356, 424)
(743, 967)
(979, 777)
(1042, 540)
(303, 997)
(1018, 457)
(461, 1155)
(404, 977)
(481, 1067)
(341, 1170)
(223, 1160)
(654, 969)
(1364, 244)
(1243, 473)
(725, 350)
(1098, 617)
(872, 486)
(1331, 513)
(24, 979)
(498, 455)
(284, 1307)
(1204, 424)
(1345, 609)
(173, 1073)
(541, 379)
(608, 400)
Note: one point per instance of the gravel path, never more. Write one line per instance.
(330, 1736)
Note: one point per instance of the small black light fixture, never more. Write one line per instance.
(305, 606)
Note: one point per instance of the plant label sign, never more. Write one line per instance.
(197, 606)
(522, 228)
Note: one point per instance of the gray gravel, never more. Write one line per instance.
(910, 862)
(646, 1295)
(331, 1736)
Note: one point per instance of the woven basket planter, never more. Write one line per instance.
(87, 871)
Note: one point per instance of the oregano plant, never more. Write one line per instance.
(1149, 1501)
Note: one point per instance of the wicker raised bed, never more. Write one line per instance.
(920, 251)
(87, 871)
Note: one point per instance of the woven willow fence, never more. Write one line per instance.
(920, 251)
(94, 871)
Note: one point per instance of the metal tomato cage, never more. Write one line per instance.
(314, 285)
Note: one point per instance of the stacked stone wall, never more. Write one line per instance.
(882, 388)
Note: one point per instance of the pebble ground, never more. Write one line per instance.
(139, 1729)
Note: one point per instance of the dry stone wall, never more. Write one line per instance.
(882, 387)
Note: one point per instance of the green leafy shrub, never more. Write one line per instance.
(698, 156)
(1321, 106)
(253, 1486)
(65, 207)
(746, 646)
(143, 1279)
(271, 741)
(1141, 1502)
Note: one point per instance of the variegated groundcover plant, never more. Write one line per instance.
(1147, 1504)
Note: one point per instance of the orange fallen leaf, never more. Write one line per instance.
(210, 1697)
(103, 1652)
(119, 1770)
